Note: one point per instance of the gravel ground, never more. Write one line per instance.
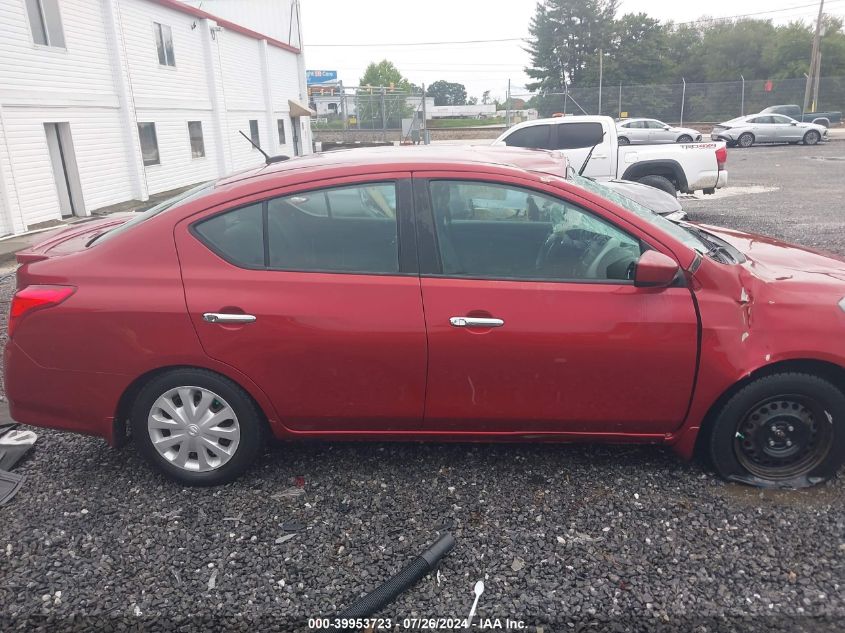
(566, 538)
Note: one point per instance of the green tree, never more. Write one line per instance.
(447, 93)
(382, 97)
(566, 36)
(638, 52)
(384, 73)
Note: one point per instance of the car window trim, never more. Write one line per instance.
(406, 234)
(428, 247)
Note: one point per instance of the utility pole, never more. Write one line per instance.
(742, 106)
(815, 101)
(601, 76)
(814, 70)
(508, 107)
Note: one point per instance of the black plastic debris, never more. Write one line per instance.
(10, 483)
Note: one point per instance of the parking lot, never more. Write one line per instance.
(564, 537)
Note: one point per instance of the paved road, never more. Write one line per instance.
(604, 538)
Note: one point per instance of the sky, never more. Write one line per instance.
(378, 27)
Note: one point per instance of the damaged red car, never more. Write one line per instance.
(429, 294)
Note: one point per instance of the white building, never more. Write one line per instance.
(105, 101)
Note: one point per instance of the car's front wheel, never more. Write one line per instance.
(623, 140)
(812, 137)
(684, 138)
(783, 430)
(197, 427)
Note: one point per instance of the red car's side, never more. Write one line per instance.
(352, 355)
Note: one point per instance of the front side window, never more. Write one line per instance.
(197, 141)
(253, 132)
(655, 125)
(45, 22)
(340, 229)
(573, 135)
(497, 231)
(164, 44)
(534, 137)
(149, 143)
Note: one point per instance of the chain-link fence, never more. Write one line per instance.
(367, 108)
(690, 102)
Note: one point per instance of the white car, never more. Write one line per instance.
(592, 146)
(650, 131)
(745, 131)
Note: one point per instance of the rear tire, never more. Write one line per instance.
(623, 140)
(212, 454)
(746, 139)
(660, 182)
(684, 138)
(812, 137)
(783, 430)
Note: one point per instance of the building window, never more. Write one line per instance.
(164, 44)
(253, 132)
(46, 22)
(281, 124)
(149, 143)
(197, 143)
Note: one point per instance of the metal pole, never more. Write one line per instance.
(815, 107)
(383, 113)
(683, 99)
(343, 112)
(508, 107)
(565, 97)
(813, 58)
(620, 99)
(424, 130)
(742, 106)
(601, 76)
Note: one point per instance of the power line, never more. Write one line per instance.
(523, 39)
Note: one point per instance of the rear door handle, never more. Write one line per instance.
(220, 317)
(475, 322)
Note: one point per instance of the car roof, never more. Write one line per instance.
(415, 157)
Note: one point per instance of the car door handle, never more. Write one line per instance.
(475, 322)
(219, 317)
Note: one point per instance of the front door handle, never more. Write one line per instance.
(475, 322)
(220, 317)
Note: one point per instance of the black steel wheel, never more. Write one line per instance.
(784, 436)
(785, 430)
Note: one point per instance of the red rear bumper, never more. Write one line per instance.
(83, 402)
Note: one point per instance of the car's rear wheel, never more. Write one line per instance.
(623, 140)
(659, 182)
(197, 427)
(812, 137)
(684, 138)
(781, 430)
(746, 139)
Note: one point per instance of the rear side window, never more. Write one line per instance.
(533, 137)
(576, 135)
(341, 229)
(237, 235)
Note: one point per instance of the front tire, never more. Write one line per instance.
(684, 138)
(197, 427)
(745, 140)
(660, 182)
(623, 140)
(783, 430)
(812, 137)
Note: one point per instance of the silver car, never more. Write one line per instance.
(647, 131)
(745, 131)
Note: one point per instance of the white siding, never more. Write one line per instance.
(177, 167)
(108, 78)
(79, 72)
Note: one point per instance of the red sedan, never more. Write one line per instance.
(429, 294)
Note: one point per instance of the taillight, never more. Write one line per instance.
(34, 298)
(721, 157)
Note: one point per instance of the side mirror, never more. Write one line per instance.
(794, 123)
(667, 128)
(655, 270)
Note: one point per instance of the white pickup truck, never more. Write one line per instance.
(681, 167)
